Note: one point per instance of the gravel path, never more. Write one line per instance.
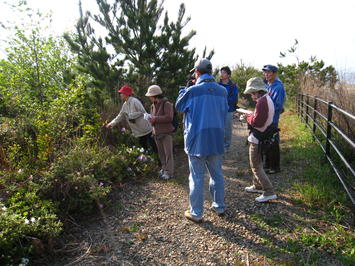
(146, 226)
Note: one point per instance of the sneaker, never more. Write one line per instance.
(217, 212)
(253, 189)
(191, 218)
(165, 176)
(161, 171)
(273, 171)
(263, 198)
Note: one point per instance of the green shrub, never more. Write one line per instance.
(23, 217)
(85, 175)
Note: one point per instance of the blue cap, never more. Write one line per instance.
(270, 68)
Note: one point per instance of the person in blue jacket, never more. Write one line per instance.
(232, 90)
(278, 95)
(205, 108)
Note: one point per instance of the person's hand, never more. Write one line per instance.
(108, 126)
(191, 82)
(243, 118)
(152, 120)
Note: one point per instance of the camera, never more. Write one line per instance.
(191, 81)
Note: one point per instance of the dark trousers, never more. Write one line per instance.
(147, 141)
(272, 156)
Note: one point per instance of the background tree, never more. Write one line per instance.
(294, 75)
(143, 50)
(104, 69)
(37, 67)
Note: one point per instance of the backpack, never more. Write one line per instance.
(175, 121)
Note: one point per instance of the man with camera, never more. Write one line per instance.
(205, 108)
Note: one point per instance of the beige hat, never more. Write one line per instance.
(154, 90)
(254, 85)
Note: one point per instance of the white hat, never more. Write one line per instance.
(254, 85)
(154, 90)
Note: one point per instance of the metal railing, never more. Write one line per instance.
(318, 115)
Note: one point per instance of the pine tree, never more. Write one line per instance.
(144, 51)
(93, 57)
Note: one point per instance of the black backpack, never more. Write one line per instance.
(175, 121)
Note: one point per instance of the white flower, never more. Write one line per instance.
(141, 149)
(33, 219)
(19, 171)
(24, 261)
(27, 221)
(4, 208)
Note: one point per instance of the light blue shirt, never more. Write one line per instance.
(205, 108)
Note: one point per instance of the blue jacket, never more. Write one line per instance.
(205, 108)
(278, 95)
(232, 90)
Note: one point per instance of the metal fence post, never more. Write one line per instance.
(301, 112)
(329, 129)
(307, 109)
(314, 115)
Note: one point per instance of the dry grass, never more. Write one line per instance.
(343, 96)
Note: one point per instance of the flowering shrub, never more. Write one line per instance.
(76, 182)
(85, 175)
(23, 217)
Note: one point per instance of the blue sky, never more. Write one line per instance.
(254, 31)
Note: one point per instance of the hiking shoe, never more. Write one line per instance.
(253, 189)
(191, 218)
(263, 198)
(273, 171)
(165, 176)
(217, 212)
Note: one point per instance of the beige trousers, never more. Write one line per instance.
(165, 153)
(260, 179)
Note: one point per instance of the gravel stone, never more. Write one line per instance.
(150, 227)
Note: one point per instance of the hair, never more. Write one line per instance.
(226, 69)
(262, 93)
(208, 71)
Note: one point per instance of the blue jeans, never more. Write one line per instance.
(228, 131)
(198, 165)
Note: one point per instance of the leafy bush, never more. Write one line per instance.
(24, 218)
(76, 182)
(240, 75)
(85, 175)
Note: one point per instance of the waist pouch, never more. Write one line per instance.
(269, 134)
